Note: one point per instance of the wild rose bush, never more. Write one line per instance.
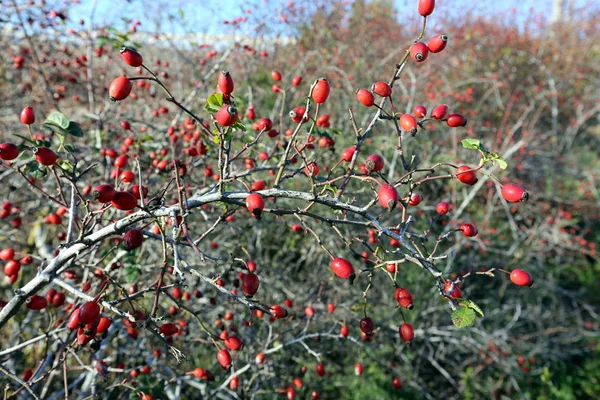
(292, 235)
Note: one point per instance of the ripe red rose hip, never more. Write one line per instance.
(225, 82)
(279, 311)
(426, 7)
(404, 298)
(124, 201)
(439, 112)
(419, 52)
(27, 116)
(521, 278)
(320, 91)
(455, 120)
(120, 88)
(381, 89)
(131, 57)
(297, 115)
(250, 284)
(408, 123)
(297, 80)
(514, 193)
(415, 199)
(224, 358)
(8, 151)
(168, 329)
(406, 332)
(420, 111)
(227, 115)
(465, 174)
(104, 193)
(36, 302)
(348, 153)
(366, 325)
(44, 156)
(452, 290)
(88, 313)
(374, 163)
(442, 208)
(133, 239)
(276, 75)
(468, 229)
(342, 268)
(365, 97)
(437, 43)
(387, 196)
(255, 204)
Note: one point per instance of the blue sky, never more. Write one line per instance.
(207, 16)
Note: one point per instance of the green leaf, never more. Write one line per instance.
(131, 274)
(65, 164)
(470, 304)
(55, 128)
(26, 139)
(501, 163)
(472, 144)
(58, 119)
(74, 129)
(70, 148)
(239, 125)
(36, 170)
(42, 143)
(214, 102)
(463, 317)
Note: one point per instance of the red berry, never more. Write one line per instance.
(88, 313)
(12, 267)
(36, 302)
(320, 91)
(439, 112)
(225, 83)
(342, 268)
(124, 201)
(7, 254)
(374, 163)
(232, 343)
(406, 332)
(348, 153)
(265, 124)
(381, 89)
(465, 174)
(103, 325)
(255, 204)
(168, 329)
(127, 176)
(404, 298)
(468, 230)
(521, 278)
(104, 193)
(419, 52)
(365, 97)
(250, 284)
(227, 115)
(44, 156)
(344, 330)
(408, 123)
(296, 81)
(396, 381)
(131, 57)
(452, 289)
(133, 239)
(426, 7)
(309, 311)
(120, 88)
(366, 325)
(297, 115)
(27, 116)
(514, 193)
(415, 199)
(276, 75)
(8, 151)
(456, 120)
(358, 369)
(437, 43)
(311, 169)
(420, 111)
(279, 311)
(320, 369)
(442, 208)
(224, 358)
(387, 196)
